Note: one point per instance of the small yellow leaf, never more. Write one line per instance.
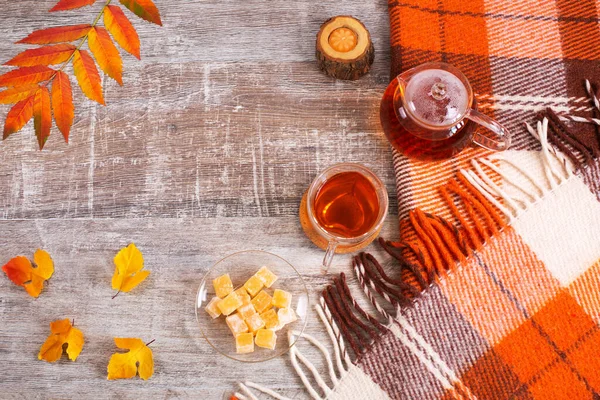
(123, 365)
(128, 269)
(61, 332)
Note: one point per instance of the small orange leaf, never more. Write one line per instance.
(62, 104)
(122, 30)
(87, 76)
(58, 34)
(145, 9)
(42, 115)
(71, 4)
(26, 75)
(129, 262)
(61, 333)
(106, 53)
(22, 273)
(18, 93)
(138, 359)
(46, 55)
(18, 116)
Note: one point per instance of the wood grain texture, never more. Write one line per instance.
(206, 150)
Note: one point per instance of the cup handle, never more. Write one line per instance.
(499, 141)
(329, 253)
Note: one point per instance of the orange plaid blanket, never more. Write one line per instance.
(493, 290)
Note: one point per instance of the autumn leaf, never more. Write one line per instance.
(137, 359)
(18, 93)
(22, 273)
(58, 34)
(26, 75)
(144, 9)
(46, 55)
(87, 76)
(62, 104)
(42, 115)
(122, 30)
(61, 333)
(63, 5)
(106, 53)
(18, 117)
(129, 262)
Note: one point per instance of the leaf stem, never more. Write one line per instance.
(79, 46)
(150, 342)
(116, 294)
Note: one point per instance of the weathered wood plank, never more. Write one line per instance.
(178, 252)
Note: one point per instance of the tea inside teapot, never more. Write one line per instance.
(436, 97)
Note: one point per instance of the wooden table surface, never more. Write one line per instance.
(206, 150)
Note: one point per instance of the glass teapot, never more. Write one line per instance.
(429, 112)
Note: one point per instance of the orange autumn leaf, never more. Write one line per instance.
(61, 333)
(122, 30)
(138, 359)
(18, 117)
(145, 9)
(62, 104)
(22, 273)
(46, 55)
(106, 53)
(42, 115)
(26, 75)
(87, 76)
(18, 93)
(63, 5)
(59, 34)
(129, 262)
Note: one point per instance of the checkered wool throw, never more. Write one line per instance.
(495, 290)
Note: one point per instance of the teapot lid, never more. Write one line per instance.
(437, 97)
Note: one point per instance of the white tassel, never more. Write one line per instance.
(294, 359)
(247, 391)
(511, 200)
(505, 178)
(334, 340)
(266, 390)
(473, 180)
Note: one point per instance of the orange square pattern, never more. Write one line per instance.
(471, 6)
(580, 40)
(560, 383)
(481, 302)
(415, 28)
(586, 290)
(465, 35)
(526, 351)
(525, 39)
(520, 271)
(564, 320)
(586, 360)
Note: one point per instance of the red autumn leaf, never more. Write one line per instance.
(58, 34)
(122, 30)
(145, 9)
(26, 75)
(18, 116)
(42, 115)
(87, 76)
(71, 4)
(106, 53)
(18, 93)
(62, 104)
(46, 55)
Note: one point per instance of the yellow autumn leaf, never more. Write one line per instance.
(137, 359)
(22, 273)
(61, 332)
(128, 269)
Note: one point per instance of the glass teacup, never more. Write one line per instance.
(343, 209)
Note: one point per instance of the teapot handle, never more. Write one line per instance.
(498, 140)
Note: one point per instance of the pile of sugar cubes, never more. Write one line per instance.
(252, 314)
